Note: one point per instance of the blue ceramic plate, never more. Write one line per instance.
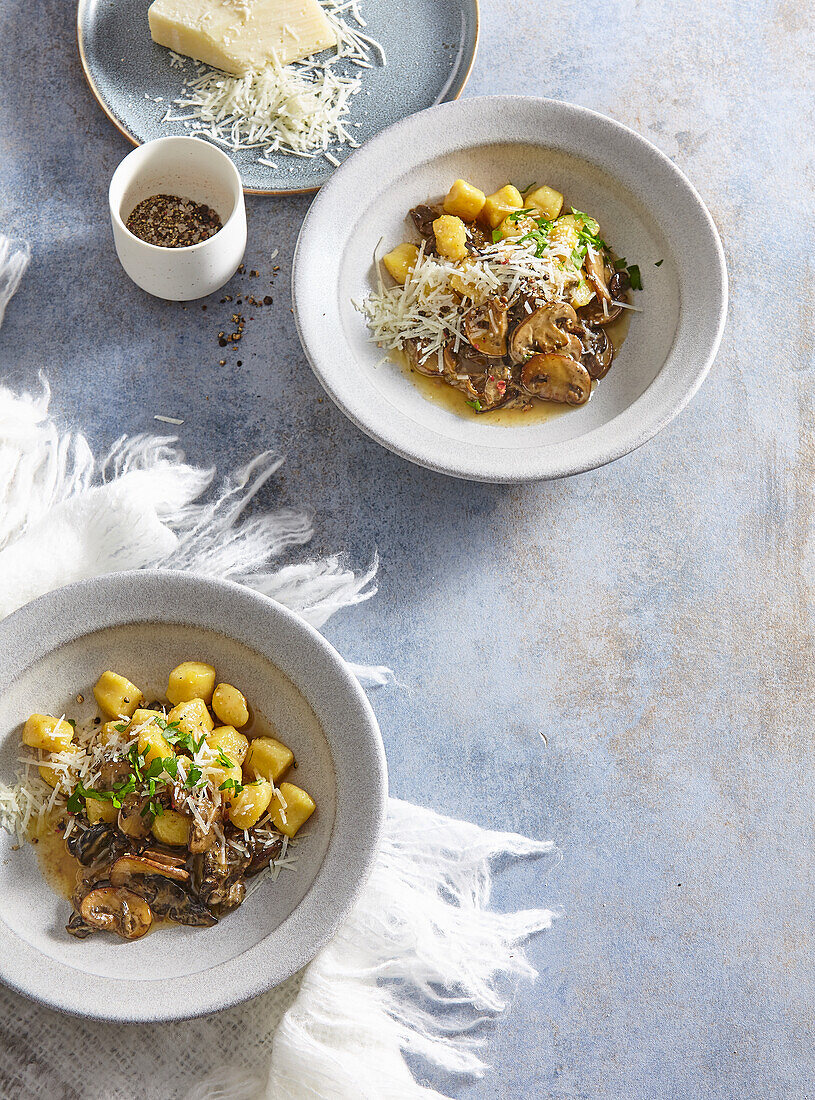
(429, 44)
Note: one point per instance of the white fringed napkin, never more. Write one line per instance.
(420, 959)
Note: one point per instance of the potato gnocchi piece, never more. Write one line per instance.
(230, 706)
(191, 680)
(43, 731)
(291, 808)
(249, 806)
(267, 758)
(116, 695)
(400, 261)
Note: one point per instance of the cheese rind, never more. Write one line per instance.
(241, 36)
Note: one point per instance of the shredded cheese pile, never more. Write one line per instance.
(428, 308)
(298, 109)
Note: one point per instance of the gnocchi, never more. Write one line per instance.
(164, 801)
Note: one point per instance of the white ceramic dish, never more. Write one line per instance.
(646, 208)
(143, 624)
(192, 169)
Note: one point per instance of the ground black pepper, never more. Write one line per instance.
(173, 222)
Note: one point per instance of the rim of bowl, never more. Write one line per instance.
(115, 212)
(646, 418)
(96, 605)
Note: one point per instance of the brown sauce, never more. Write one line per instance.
(57, 866)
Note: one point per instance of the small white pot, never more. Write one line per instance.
(193, 169)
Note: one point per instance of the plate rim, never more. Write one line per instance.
(238, 979)
(650, 424)
(459, 84)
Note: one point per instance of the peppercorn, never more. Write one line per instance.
(173, 222)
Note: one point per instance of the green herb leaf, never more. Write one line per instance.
(76, 802)
(513, 217)
(155, 768)
(497, 235)
(193, 776)
(71, 722)
(659, 263)
(635, 277)
(224, 760)
(231, 785)
(474, 403)
(121, 727)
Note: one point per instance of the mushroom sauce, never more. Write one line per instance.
(160, 811)
(506, 302)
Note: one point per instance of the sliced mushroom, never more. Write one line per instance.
(113, 772)
(556, 377)
(595, 314)
(429, 366)
(596, 274)
(98, 844)
(132, 821)
(168, 899)
(423, 217)
(112, 909)
(127, 867)
(544, 331)
(486, 327)
(598, 353)
(78, 928)
(201, 840)
(214, 875)
(263, 854)
(233, 896)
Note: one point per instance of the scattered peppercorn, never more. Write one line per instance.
(173, 222)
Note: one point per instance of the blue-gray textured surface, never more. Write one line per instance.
(652, 619)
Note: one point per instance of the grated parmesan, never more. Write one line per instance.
(427, 308)
(299, 109)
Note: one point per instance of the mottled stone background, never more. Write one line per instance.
(621, 661)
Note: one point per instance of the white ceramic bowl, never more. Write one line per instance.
(190, 168)
(647, 209)
(144, 624)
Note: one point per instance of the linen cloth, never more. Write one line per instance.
(420, 960)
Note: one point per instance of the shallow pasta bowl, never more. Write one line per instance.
(143, 624)
(648, 212)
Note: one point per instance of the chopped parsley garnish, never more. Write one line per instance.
(513, 217)
(231, 785)
(121, 726)
(497, 235)
(633, 272)
(540, 236)
(474, 403)
(193, 776)
(659, 263)
(71, 722)
(224, 760)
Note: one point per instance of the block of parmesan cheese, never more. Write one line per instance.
(241, 36)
